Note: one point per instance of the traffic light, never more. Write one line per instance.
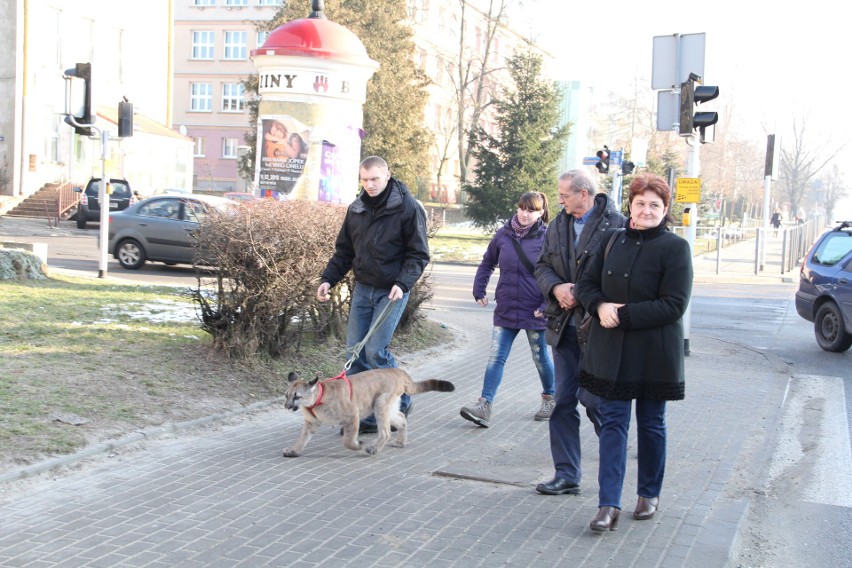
(603, 160)
(82, 110)
(627, 168)
(691, 95)
(125, 119)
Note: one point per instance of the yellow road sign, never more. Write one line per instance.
(688, 190)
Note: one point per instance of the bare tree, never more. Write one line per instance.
(801, 163)
(474, 84)
(833, 188)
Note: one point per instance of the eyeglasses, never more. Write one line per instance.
(565, 196)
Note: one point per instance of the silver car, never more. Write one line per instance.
(160, 229)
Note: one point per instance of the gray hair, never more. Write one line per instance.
(580, 180)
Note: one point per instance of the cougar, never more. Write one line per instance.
(345, 401)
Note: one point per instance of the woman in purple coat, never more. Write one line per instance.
(520, 305)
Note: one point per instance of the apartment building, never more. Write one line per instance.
(128, 46)
(213, 41)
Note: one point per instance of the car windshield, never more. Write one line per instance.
(833, 248)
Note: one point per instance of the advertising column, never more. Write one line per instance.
(312, 80)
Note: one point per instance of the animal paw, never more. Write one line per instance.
(397, 444)
(372, 450)
(290, 453)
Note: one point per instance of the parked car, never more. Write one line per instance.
(239, 196)
(89, 209)
(825, 288)
(160, 228)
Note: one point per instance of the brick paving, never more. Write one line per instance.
(219, 493)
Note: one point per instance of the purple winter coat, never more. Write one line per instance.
(517, 294)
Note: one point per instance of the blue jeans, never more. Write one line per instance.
(565, 419)
(365, 307)
(502, 339)
(651, 441)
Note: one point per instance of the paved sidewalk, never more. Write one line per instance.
(219, 493)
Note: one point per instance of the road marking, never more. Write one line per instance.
(813, 451)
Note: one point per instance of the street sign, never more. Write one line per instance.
(615, 158)
(675, 57)
(590, 160)
(688, 190)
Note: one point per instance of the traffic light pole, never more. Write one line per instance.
(103, 198)
(693, 169)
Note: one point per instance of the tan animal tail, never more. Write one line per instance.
(416, 387)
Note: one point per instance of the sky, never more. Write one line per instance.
(773, 62)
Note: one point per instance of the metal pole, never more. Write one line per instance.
(767, 181)
(103, 199)
(692, 169)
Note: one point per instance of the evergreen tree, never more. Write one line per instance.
(524, 154)
(396, 94)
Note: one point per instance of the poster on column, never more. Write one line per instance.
(284, 151)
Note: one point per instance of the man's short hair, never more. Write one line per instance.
(580, 180)
(374, 162)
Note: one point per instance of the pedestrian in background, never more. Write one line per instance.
(775, 222)
(520, 306)
(383, 241)
(637, 295)
(573, 238)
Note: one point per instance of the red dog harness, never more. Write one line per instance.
(341, 376)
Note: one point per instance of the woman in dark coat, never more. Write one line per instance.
(520, 306)
(637, 294)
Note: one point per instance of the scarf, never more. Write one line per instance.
(520, 232)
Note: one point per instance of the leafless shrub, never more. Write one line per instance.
(269, 257)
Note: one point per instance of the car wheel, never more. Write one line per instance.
(130, 254)
(829, 330)
(81, 219)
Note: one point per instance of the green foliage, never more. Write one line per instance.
(396, 94)
(524, 154)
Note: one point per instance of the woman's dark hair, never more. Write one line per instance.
(655, 184)
(535, 201)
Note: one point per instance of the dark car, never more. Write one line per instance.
(89, 209)
(160, 228)
(825, 288)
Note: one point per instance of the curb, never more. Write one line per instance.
(138, 436)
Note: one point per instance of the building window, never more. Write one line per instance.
(235, 45)
(198, 147)
(268, 2)
(202, 97)
(202, 45)
(261, 38)
(204, 3)
(229, 147)
(236, 2)
(233, 97)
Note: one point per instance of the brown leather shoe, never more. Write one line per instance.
(645, 508)
(605, 520)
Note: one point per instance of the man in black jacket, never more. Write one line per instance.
(383, 241)
(572, 238)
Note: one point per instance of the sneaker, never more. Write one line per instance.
(479, 413)
(547, 404)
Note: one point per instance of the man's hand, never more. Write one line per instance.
(396, 293)
(483, 301)
(322, 292)
(564, 294)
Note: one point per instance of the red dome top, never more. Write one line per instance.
(314, 37)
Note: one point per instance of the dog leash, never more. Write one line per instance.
(357, 349)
